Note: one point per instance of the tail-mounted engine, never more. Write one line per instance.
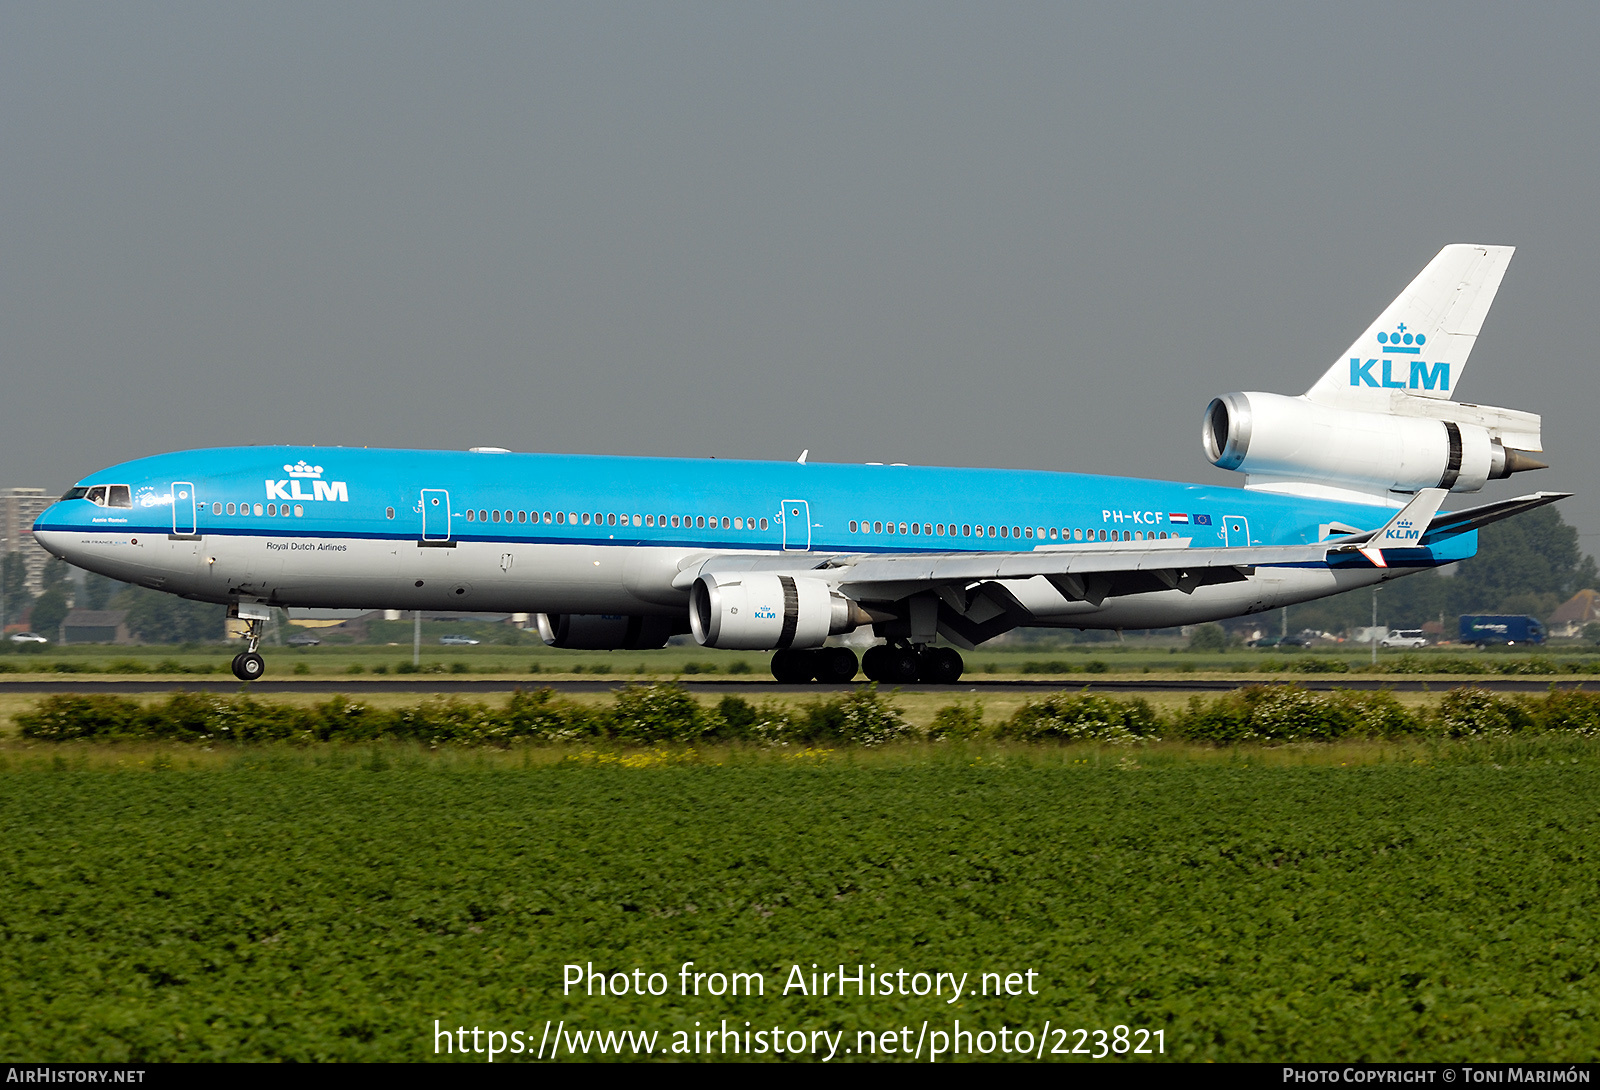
(760, 611)
(1286, 443)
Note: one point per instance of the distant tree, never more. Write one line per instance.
(49, 610)
(1527, 564)
(56, 573)
(1208, 637)
(98, 590)
(156, 617)
(14, 596)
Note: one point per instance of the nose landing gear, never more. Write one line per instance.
(247, 664)
(900, 664)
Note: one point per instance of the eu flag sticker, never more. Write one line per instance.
(1202, 520)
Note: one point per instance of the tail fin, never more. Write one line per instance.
(1420, 343)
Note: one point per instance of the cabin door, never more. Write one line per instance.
(435, 516)
(796, 519)
(183, 508)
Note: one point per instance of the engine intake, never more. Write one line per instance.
(760, 611)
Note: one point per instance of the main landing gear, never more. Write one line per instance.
(825, 664)
(247, 665)
(895, 664)
(901, 664)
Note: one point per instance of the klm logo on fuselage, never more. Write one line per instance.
(292, 488)
(1395, 348)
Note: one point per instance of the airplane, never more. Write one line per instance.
(1343, 490)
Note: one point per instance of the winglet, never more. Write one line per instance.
(1405, 530)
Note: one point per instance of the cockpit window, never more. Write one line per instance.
(103, 495)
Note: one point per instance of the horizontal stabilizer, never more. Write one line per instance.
(1459, 522)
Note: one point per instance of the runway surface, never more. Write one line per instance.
(435, 685)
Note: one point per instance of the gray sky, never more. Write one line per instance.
(1032, 236)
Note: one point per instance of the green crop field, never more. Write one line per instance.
(1428, 902)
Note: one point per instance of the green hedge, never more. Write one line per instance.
(639, 714)
(648, 714)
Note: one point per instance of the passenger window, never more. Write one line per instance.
(966, 530)
(979, 530)
(763, 524)
(118, 495)
(1052, 533)
(586, 518)
(497, 516)
(726, 524)
(388, 512)
(1003, 531)
(1027, 531)
(902, 527)
(939, 529)
(547, 518)
(991, 532)
(471, 516)
(230, 508)
(561, 516)
(853, 525)
(636, 520)
(299, 511)
(675, 521)
(649, 520)
(877, 527)
(610, 519)
(700, 522)
(216, 508)
(272, 510)
(915, 529)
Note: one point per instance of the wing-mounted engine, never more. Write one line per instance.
(606, 632)
(763, 611)
(1293, 444)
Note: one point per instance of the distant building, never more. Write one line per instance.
(1577, 611)
(18, 508)
(96, 626)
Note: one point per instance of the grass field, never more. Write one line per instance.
(1343, 901)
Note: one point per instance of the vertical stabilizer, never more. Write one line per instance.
(1420, 343)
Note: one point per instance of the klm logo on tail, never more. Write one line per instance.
(1401, 532)
(1394, 348)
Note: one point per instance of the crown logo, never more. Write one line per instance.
(303, 470)
(1402, 342)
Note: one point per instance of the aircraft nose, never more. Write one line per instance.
(50, 531)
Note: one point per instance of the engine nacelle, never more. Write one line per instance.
(1273, 437)
(605, 632)
(760, 611)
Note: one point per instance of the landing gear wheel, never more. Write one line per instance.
(836, 664)
(875, 663)
(249, 666)
(941, 666)
(903, 663)
(793, 667)
(235, 664)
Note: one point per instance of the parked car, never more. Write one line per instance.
(458, 641)
(1404, 637)
(302, 639)
(27, 637)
